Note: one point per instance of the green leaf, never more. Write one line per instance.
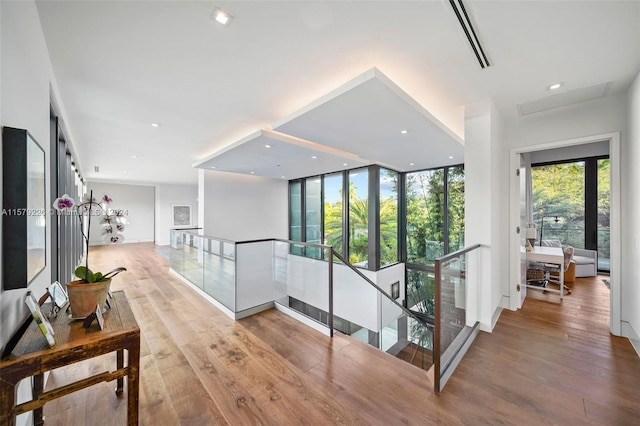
(84, 274)
(97, 276)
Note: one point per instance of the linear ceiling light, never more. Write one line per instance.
(467, 27)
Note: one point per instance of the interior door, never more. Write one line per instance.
(525, 215)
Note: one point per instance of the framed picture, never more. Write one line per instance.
(181, 215)
(58, 295)
(41, 320)
(24, 208)
(395, 290)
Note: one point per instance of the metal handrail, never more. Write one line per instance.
(457, 253)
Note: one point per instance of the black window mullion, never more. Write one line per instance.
(345, 214)
(373, 219)
(402, 218)
(445, 215)
(591, 204)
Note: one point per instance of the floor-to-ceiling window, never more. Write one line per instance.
(359, 217)
(388, 217)
(571, 204)
(358, 213)
(425, 207)
(313, 214)
(604, 210)
(455, 210)
(333, 211)
(67, 246)
(295, 213)
(434, 205)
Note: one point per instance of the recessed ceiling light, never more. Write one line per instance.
(403, 131)
(155, 124)
(344, 164)
(314, 157)
(282, 177)
(412, 164)
(220, 16)
(450, 157)
(134, 156)
(267, 146)
(554, 86)
(213, 167)
(253, 173)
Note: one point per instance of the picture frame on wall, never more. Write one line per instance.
(24, 208)
(395, 290)
(181, 215)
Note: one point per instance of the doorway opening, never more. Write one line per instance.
(591, 219)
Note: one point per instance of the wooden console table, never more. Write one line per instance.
(32, 357)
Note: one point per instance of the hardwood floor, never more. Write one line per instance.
(549, 363)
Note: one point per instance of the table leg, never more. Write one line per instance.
(38, 387)
(133, 384)
(561, 281)
(7, 403)
(119, 365)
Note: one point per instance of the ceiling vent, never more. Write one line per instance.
(470, 33)
(569, 97)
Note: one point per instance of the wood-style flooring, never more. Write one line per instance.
(549, 363)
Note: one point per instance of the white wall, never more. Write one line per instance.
(166, 196)
(238, 207)
(25, 76)
(599, 116)
(137, 201)
(486, 168)
(631, 220)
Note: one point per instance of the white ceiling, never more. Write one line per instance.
(120, 66)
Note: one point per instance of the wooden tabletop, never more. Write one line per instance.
(70, 333)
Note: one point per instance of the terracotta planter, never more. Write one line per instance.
(84, 298)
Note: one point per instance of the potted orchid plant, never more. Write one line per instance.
(91, 288)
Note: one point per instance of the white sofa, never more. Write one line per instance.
(586, 260)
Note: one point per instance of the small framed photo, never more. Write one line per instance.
(41, 320)
(181, 215)
(58, 295)
(395, 290)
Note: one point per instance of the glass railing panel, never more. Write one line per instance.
(452, 300)
(365, 313)
(216, 247)
(301, 283)
(393, 331)
(255, 274)
(193, 259)
(456, 309)
(176, 255)
(229, 250)
(421, 347)
(219, 273)
(355, 305)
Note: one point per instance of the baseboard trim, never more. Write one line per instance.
(303, 319)
(630, 333)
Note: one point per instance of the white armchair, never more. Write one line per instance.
(586, 260)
